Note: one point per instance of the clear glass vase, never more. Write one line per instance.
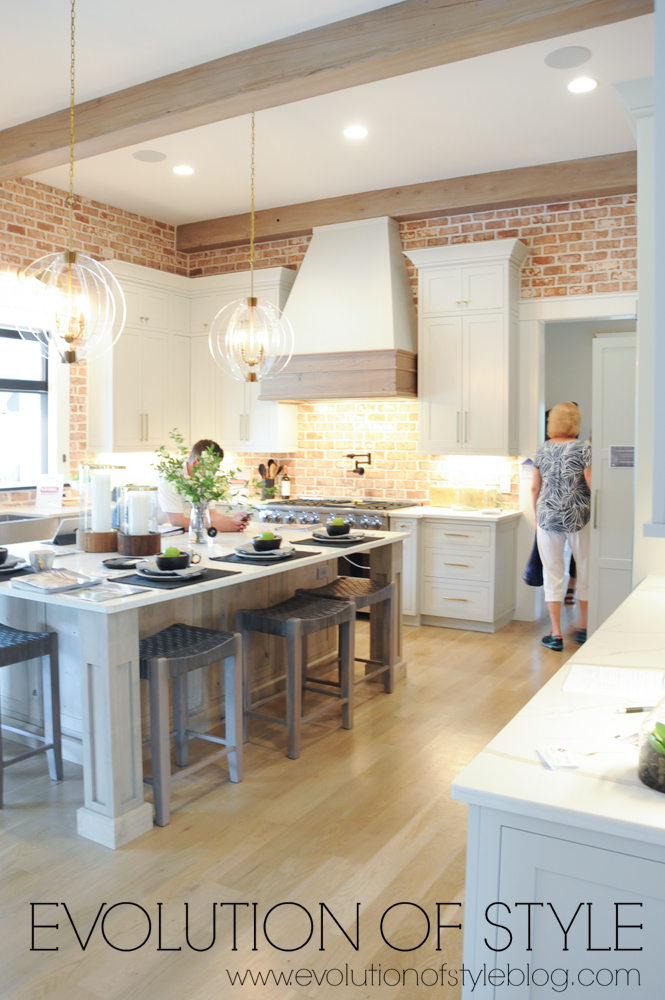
(199, 522)
(651, 766)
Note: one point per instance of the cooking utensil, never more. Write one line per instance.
(278, 471)
(262, 471)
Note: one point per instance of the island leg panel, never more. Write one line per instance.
(114, 811)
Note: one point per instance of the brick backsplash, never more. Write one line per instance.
(577, 248)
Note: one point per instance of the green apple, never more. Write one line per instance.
(337, 520)
(267, 536)
(171, 552)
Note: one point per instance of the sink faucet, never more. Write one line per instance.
(359, 466)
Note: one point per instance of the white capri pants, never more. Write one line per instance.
(550, 546)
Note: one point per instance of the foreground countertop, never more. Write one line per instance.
(448, 512)
(605, 794)
(91, 564)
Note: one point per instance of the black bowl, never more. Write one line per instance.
(266, 544)
(3, 554)
(174, 562)
(338, 529)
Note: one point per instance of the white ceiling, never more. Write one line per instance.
(504, 110)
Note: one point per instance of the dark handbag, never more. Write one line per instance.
(533, 571)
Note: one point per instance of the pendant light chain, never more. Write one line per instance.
(70, 199)
(251, 229)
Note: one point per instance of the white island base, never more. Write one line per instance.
(565, 886)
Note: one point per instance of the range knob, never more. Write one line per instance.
(272, 516)
(364, 521)
(314, 519)
(350, 520)
(303, 518)
(376, 522)
(289, 518)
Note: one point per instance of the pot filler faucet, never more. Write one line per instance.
(358, 468)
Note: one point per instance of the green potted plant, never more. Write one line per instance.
(206, 483)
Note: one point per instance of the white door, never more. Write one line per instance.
(612, 476)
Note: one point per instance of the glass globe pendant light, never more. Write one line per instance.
(77, 304)
(250, 338)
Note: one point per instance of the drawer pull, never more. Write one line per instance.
(464, 599)
(466, 565)
(455, 534)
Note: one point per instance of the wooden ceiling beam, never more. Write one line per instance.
(594, 176)
(382, 43)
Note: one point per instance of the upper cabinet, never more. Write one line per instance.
(139, 390)
(468, 331)
(224, 408)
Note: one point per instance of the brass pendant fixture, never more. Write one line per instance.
(250, 338)
(76, 303)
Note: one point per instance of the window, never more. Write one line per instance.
(23, 411)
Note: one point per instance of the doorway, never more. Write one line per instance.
(592, 362)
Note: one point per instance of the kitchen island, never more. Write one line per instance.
(591, 836)
(99, 668)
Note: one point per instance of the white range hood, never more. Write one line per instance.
(353, 315)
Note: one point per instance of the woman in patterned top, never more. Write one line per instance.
(562, 501)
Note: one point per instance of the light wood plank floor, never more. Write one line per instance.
(363, 817)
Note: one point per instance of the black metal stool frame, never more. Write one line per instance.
(17, 646)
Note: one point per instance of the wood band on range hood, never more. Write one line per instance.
(352, 375)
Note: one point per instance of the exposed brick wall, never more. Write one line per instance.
(578, 248)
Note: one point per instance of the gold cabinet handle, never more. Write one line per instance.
(454, 534)
(147, 435)
(465, 600)
(466, 565)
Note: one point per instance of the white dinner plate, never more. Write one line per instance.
(354, 536)
(13, 563)
(273, 555)
(150, 568)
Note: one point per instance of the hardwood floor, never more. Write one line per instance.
(363, 821)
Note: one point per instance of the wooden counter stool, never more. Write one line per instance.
(170, 655)
(365, 593)
(17, 646)
(294, 620)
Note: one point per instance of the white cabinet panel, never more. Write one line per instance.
(409, 565)
(467, 348)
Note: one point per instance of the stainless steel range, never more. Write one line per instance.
(317, 510)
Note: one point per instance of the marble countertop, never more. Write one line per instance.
(604, 793)
(91, 564)
(448, 512)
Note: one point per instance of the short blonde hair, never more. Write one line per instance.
(564, 420)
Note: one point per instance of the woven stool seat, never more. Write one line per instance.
(365, 593)
(171, 655)
(295, 619)
(18, 646)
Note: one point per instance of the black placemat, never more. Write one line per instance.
(336, 541)
(25, 571)
(244, 560)
(171, 582)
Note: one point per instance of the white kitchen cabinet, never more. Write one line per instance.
(410, 609)
(139, 390)
(468, 328)
(467, 575)
(221, 406)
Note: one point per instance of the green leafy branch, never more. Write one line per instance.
(208, 482)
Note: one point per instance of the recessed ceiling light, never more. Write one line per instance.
(567, 57)
(183, 170)
(355, 132)
(149, 155)
(582, 85)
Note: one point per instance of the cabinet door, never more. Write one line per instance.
(272, 426)
(157, 389)
(440, 386)
(178, 404)
(200, 314)
(204, 410)
(485, 385)
(127, 387)
(441, 290)
(234, 411)
(483, 286)
(154, 309)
